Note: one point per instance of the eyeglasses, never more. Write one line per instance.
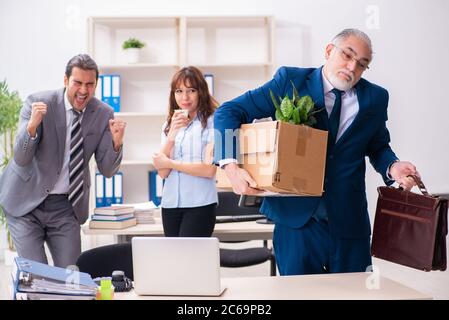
(189, 91)
(347, 56)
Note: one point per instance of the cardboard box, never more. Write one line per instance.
(284, 158)
(222, 180)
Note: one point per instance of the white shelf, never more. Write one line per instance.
(119, 67)
(233, 65)
(134, 163)
(237, 50)
(137, 163)
(138, 114)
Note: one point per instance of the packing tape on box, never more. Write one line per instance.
(301, 141)
(301, 144)
(299, 184)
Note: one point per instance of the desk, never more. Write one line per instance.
(343, 286)
(231, 231)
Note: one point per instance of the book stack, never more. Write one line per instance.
(144, 212)
(117, 217)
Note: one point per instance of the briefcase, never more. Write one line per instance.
(410, 229)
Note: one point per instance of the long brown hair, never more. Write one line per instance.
(194, 78)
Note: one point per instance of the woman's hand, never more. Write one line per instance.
(178, 121)
(161, 161)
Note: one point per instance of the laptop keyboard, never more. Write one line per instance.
(239, 218)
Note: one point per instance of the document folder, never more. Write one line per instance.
(34, 277)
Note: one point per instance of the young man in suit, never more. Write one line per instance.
(44, 190)
(330, 233)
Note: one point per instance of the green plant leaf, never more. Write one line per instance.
(303, 115)
(295, 116)
(297, 110)
(295, 93)
(314, 111)
(133, 43)
(308, 103)
(286, 107)
(279, 115)
(274, 100)
(311, 121)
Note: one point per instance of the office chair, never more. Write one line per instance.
(228, 204)
(102, 261)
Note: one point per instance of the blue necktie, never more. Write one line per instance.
(334, 119)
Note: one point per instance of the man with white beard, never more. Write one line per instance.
(330, 233)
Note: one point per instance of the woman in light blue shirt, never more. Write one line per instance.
(189, 194)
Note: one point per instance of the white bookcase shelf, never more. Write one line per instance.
(236, 50)
(124, 67)
(138, 114)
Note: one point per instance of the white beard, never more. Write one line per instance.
(339, 83)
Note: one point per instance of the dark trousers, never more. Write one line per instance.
(312, 249)
(189, 222)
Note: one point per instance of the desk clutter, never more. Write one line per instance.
(38, 281)
(121, 216)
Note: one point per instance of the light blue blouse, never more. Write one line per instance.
(182, 190)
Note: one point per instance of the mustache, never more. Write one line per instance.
(350, 74)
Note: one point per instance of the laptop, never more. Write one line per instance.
(176, 266)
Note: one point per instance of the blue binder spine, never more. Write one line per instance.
(115, 93)
(155, 187)
(100, 200)
(109, 191)
(107, 89)
(118, 188)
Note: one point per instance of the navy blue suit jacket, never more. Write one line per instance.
(344, 184)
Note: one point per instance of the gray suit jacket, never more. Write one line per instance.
(32, 174)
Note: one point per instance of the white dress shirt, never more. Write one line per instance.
(349, 105)
(62, 184)
(182, 190)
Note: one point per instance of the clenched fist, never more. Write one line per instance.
(117, 128)
(38, 112)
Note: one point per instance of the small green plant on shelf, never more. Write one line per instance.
(296, 110)
(133, 43)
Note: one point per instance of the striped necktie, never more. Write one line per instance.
(76, 164)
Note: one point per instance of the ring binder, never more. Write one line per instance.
(32, 279)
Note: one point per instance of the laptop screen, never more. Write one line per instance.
(176, 266)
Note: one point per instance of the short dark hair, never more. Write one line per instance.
(82, 61)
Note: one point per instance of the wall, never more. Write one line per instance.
(409, 38)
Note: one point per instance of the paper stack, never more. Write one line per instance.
(144, 212)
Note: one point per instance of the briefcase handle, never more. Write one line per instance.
(419, 184)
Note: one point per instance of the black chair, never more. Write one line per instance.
(228, 204)
(102, 261)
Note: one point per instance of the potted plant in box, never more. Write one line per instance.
(298, 110)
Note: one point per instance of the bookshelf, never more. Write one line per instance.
(237, 50)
